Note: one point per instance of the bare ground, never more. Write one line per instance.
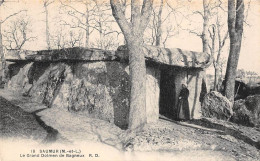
(205, 139)
(233, 141)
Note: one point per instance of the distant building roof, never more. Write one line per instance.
(174, 57)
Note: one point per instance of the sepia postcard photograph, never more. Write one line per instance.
(129, 80)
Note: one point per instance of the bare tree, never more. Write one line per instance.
(241, 74)
(1, 40)
(95, 18)
(75, 39)
(16, 34)
(59, 38)
(46, 4)
(106, 43)
(159, 26)
(222, 66)
(65, 38)
(206, 17)
(211, 35)
(3, 63)
(103, 24)
(216, 46)
(251, 74)
(235, 29)
(81, 19)
(133, 32)
(155, 33)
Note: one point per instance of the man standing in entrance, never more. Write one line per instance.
(183, 104)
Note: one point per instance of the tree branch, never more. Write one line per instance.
(65, 5)
(120, 17)
(145, 13)
(12, 15)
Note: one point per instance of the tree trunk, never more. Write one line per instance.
(101, 45)
(159, 26)
(137, 115)
(47, 27)
(216, 78)
(235, 45)
(133, 33)
(235, 29)
(3, 63)
(205, 35)
(87, 27)
(2, 56)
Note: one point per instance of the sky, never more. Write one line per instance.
(250, 50)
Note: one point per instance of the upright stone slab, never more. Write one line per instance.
(152, 94)
(194, 82)
(20, 81)
(47, 87)
(97, 89)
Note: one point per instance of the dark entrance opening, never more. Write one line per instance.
(167, 93)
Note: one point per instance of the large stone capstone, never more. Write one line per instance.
(173, 56)
(68, 54)
(217, 106)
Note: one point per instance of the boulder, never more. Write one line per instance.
(217, 106)
(241, 114)
(247, 112)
